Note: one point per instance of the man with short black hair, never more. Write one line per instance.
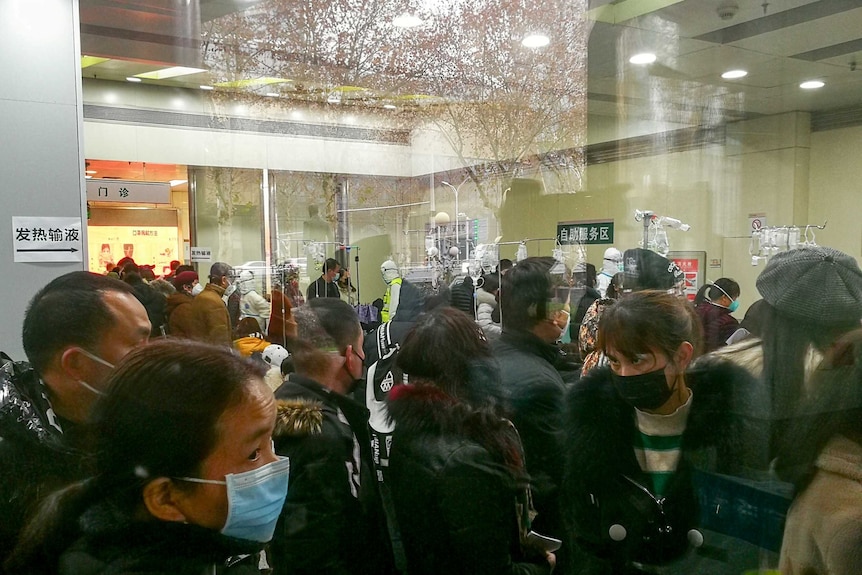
(325, 285)
(210, 321)
(332, 522)
(76, 329)
(531, 390)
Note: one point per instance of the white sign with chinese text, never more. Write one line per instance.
(40, 239)
(201, 254)
(128, 191)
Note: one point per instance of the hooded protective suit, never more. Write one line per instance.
(252, 304)
(392, 277)
(610, 267)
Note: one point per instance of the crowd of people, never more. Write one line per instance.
(537, 420)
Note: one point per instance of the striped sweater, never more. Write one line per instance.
(658, 442)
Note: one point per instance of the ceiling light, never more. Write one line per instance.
(202, 87)
(296, 115)
(88, 177)
(177, 182)
(643, 58)
(535, 41)
(133, 79)
(271, 95)
(407, 20)
(812, 85)
(390, 106)
(171, 72)
(91, 172)
(734, 74)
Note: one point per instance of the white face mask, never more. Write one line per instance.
(97, 359)
(197, 289)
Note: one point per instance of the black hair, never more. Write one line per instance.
(649, 320)
(833, 407)
(218, 271)
(441, 348)
(717, 289)
(505, 264)
(69, 311)
(330, 264)
(591, 275)
(615, 286)
(322, 325)
(490, 282)
(524, 293)
(159, 419)
(786, 341)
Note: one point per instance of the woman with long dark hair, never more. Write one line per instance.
(456, 470)
(634, 428)
(714, 303)
(822, 456)
(187, 481)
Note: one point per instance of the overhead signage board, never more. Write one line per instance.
(128, 191)
(39, 239)
(589, 232)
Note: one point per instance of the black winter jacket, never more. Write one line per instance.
(612, 518)
(333, 521)
(113, 544)
(532, 393)
(39, 452)
(455, 489)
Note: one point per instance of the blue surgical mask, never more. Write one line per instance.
(254, 500)
(335, 278)
(734, 305)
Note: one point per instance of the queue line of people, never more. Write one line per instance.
(176, 457)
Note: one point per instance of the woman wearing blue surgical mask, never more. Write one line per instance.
(636, 433)
(187, 481)
(714, 303)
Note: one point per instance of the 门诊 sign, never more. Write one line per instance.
(128, 191)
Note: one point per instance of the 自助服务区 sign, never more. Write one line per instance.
(592, 232)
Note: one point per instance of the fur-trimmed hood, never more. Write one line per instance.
(483, 297)
(298, 417)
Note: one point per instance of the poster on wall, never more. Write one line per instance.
(147, 245)
(693, 265)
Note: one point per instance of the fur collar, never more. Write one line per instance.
(842, 456)
(298, 417)
(484, 297)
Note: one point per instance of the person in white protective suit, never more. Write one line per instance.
(611, 265)
(392, 277)
(252, 304)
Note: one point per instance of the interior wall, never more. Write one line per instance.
(41, 165)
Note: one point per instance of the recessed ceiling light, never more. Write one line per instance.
(734, 74)
(271, 95)
(88, 177)
(171, 72)
(133, 79)
(177, 182)
(390, 106)
(643, 58)
(407, 20)
(535, 41)
(202, 87)
(812, 85)
(91, 172)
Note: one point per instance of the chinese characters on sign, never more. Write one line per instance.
(693, 265)
(592, 232)
(128, 191)
(46, 239)
(200, 254)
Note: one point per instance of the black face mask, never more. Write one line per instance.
(646, 391)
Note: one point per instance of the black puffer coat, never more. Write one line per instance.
(333, 521)
(116, 545)
(454, 487)
(39, 452)
(612, 519)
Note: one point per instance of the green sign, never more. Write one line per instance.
(585, 233)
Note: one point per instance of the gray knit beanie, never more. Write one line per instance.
(815, 284)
